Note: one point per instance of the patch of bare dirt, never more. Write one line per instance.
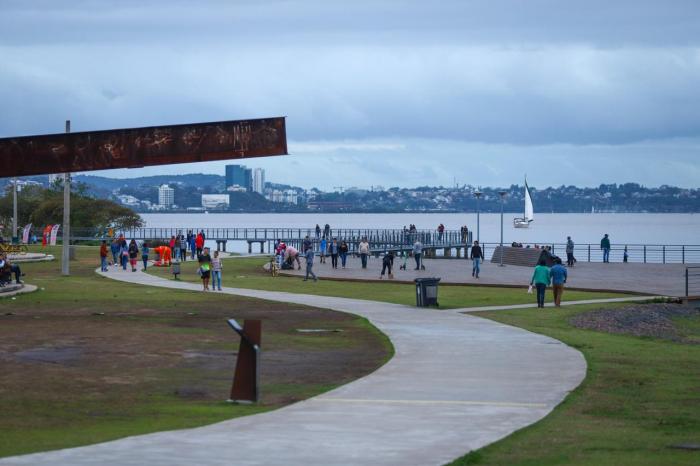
(191, 353)
(642, 320)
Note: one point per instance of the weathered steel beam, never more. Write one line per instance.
(140, 147)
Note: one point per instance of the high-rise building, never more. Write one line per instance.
(259, 180)
(166, 196)
(239, 175)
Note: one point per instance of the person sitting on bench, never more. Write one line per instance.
(7, 269)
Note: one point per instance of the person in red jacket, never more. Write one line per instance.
(103, 256)
(199, 243)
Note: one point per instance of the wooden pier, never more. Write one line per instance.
(451, 243)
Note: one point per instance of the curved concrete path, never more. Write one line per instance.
(456, 383)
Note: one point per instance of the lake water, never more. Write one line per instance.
(547, 228)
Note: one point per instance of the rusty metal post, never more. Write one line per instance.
(246, 380)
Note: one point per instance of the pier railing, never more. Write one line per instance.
(398, 239)
(692, 282)
(639, 253)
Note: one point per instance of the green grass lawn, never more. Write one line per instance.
(248, 273)
(640, 396)
(150, 359)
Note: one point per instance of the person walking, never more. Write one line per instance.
(199, 243)
(103, 256)
(306, 245)
(310, 265)
(183, 247)
(174, 249)
(124, 253)
(441, 231)
(605, 246)
(318, 231)
(192, 240)
(115, 247)
(477, 256)
(204, 260)
(569, 252)
(133, 254)
(418, 255)
(558, 276)
(333, 250)
(323, 250)
(387, 265)
(327, 231)
(540, 278)
(145, 250)
(363, 249)
(343, 252)
(216, 268)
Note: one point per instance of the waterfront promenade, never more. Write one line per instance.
(456, 383)
(656, 279)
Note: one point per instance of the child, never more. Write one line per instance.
(216, 267)
(133, 253)
(103, 256)
(144, 255)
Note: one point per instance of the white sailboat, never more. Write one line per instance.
(524, 222)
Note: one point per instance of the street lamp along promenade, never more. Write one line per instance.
(503, 195)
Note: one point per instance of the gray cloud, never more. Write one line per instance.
(462, 74)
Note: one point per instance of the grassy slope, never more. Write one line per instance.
(248, 273)
(52, 406)
(640, 396)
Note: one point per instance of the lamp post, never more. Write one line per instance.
(477, 194)
(65, 253)
(503, 195)
(15, 239)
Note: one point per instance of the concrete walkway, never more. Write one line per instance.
(658, 279)
(456, 383)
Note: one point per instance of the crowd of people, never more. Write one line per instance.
(125, 254)
(550, 268)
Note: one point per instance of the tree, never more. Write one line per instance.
(41, 206)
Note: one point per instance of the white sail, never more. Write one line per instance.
(529, 212)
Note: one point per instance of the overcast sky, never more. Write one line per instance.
(377, 92)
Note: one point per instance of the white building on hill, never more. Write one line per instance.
(166, 196)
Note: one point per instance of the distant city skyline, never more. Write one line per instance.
(378, 93)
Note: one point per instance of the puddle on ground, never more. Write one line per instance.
(53, 355)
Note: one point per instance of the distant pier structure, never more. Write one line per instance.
(447, 244)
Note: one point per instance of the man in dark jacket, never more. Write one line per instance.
(477, 256)
(605, 246)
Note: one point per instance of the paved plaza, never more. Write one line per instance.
(657, 279)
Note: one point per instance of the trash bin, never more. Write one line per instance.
(175, 269)
(427, 292)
